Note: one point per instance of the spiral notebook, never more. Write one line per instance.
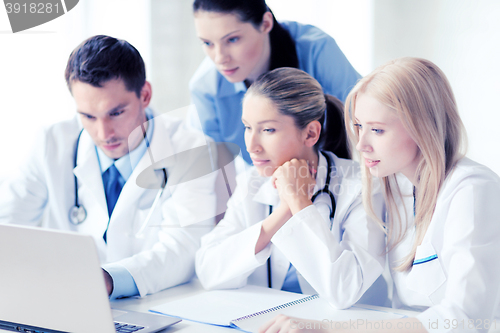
(250, 307)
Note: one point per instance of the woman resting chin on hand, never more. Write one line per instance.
(273, 234)
(444, 255)
(295, 183)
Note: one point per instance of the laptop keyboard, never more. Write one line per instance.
(126, 328)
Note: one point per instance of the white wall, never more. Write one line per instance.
(176, 52)
(348, 22)
(33, 91)
(463, 38)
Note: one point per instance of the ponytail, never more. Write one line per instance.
(283, 52)
(333, 133)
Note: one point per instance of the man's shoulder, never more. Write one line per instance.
(306, 35)
(67, 125)
(62, 132)
(181, 135)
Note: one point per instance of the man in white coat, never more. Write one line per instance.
(100, 172)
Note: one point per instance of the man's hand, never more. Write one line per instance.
(109, 282)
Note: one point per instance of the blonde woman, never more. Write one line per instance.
(296, 222)
(443, 241)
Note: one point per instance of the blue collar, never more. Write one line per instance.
(229, 89)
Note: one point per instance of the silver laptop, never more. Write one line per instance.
(51, 281)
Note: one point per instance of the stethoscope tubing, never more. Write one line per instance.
(74, 213)
(77, 219)
(325, 189)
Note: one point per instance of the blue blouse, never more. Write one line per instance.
(218, 101)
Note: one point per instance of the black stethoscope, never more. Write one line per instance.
(325, 189)
(78, 214)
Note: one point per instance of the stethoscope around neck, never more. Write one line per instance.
(324, 190)
(78, 213)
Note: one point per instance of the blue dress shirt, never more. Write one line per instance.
(218, 101)
(123, 283)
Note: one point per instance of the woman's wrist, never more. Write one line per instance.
(271, 225)
(298, 204)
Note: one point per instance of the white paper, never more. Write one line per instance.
(318, 309)
(220, 307)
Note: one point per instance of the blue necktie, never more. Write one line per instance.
(113, 184)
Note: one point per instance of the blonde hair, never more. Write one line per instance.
(419, 92)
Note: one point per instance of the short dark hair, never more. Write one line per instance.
(102, 58)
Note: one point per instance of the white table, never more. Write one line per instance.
(194, 287)
(190, 289)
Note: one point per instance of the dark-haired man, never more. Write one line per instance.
(101, 174)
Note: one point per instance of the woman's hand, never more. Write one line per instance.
(295, 183)
(285, 324)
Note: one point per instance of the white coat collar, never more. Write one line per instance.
(88, 172)
(346, 184)
(87, 169)
(150, 164)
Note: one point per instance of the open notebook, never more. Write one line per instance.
(250, 307)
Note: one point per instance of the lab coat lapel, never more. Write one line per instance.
(88, 172)
(90, 188)
(345, 186)
(267, 194)
(160, 147)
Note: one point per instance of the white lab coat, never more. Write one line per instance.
(463, 283)
(339, 264)
(164, 257)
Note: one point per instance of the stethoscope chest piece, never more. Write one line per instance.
(77, 214)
